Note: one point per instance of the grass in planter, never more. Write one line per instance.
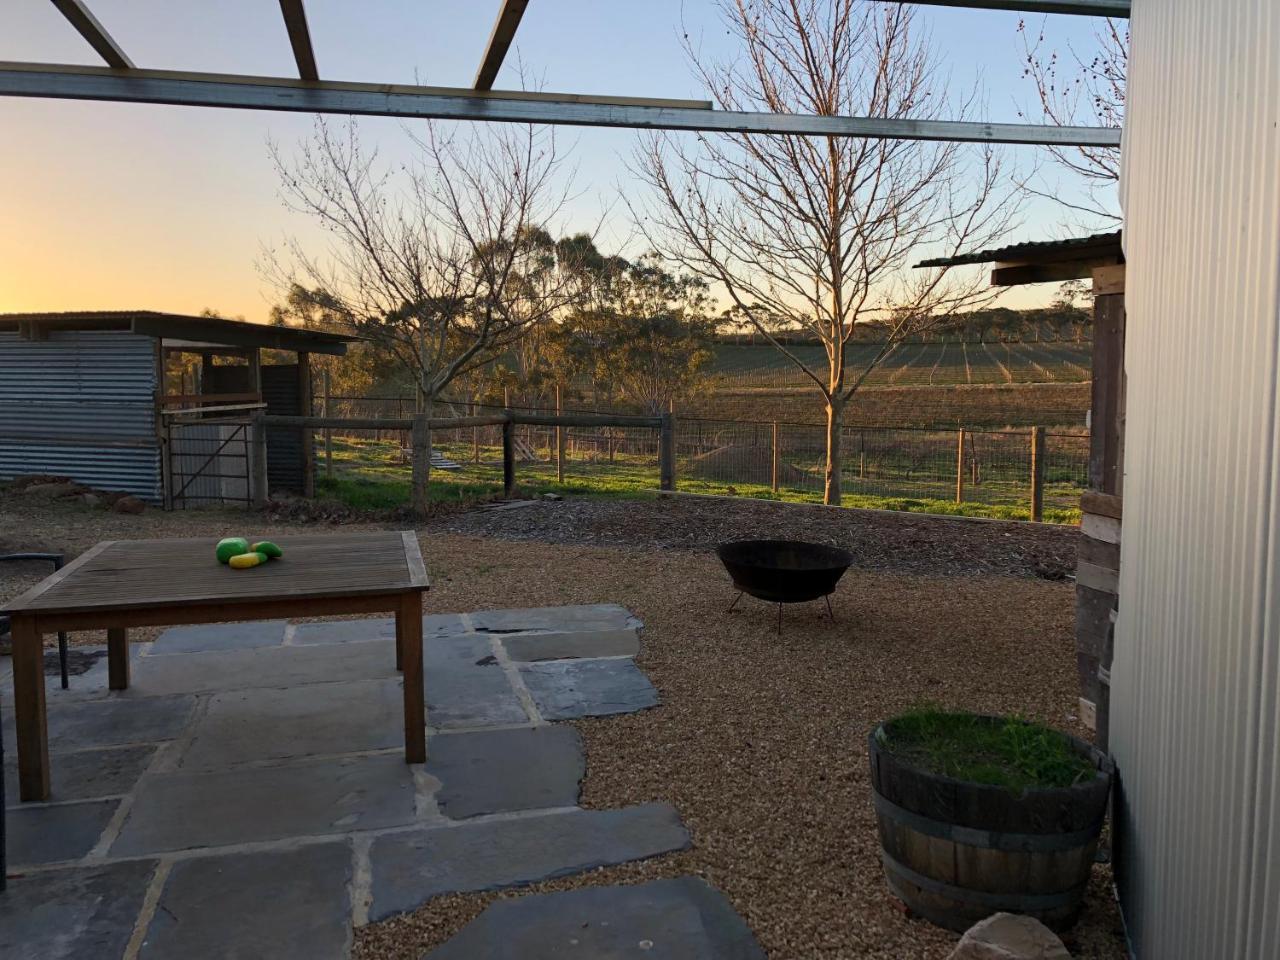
(1016, 754)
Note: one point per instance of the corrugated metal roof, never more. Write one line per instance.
(1074, 248)
(216, 330)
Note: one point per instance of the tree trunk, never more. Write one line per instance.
(835, 420)
(420, 457)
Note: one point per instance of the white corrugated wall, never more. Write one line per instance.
(1195, 700)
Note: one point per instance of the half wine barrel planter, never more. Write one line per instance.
(957, 852)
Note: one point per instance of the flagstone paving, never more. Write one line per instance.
(248, 796)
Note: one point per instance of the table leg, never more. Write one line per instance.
(118, 658)
(399, 644)
(29, 710)
(409, 643)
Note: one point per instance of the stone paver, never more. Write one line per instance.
(413, 866)
(102, 723)
(63, 831)
(315, 720)
(568, 689)
(581, 643)
(594, 616)
(210, 637)
(379, 628)
(73, 914)
(87, 774)
(283, 905)
(178, 811)
(262, 667)
(498, 771)
(466, 687)
(678, 919)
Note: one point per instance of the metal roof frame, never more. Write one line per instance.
(175, 326)
(120, 81)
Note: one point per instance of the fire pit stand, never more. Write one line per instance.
(784, 571)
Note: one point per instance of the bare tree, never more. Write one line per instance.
(1079, 90)
(444, 262)
(819, 232)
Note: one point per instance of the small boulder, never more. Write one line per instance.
(552, 496)
(129, 505)
(1009, 936)
(51, 491)
(91, 499)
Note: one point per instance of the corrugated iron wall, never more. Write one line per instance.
(1195, 698)
(81, 404)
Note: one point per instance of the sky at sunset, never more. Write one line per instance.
(113, 206)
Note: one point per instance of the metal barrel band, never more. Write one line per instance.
(1014, 902)
(990, 839)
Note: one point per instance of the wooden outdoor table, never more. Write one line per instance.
(142, 583)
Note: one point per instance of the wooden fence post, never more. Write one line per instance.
(559, 437)
(475, 437)
(420, 451)
(667, 453)
(777, 458)
(862, 454)
(328, 432)
(258, 433)
(1037, 473)
(508, 456)
(960, 467)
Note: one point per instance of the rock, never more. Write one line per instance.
(50, 491)
(552, 496)
(1009, 936)
(91, 499)
(128, 505)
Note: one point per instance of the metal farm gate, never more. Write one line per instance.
(209, 462)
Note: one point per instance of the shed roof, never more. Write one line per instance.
(1044, 261)
(217, 331)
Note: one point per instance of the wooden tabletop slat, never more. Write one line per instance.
(127, 574)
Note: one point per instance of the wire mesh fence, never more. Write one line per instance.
(896, 467)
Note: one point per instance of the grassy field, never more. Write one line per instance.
(738, 366)
(372, 475)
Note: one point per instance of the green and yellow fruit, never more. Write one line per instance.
(230, 547)
(243, 561)
(269, 548)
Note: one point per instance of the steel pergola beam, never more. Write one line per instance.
(1086, 8)
(59, 81)
(295, 21)
(79, 16)
(504, 31)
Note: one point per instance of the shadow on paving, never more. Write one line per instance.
(248, 795)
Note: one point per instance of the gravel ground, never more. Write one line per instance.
(879, 540)
(759, 742)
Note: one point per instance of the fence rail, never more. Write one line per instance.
(1032, 471)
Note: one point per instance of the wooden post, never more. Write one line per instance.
(117, 658)
(777, 458)
(305, 408)
(559, 437)
(409, 658)
(328, 432)
(420, 449)
(667, 453)
(258, 434)
(29, 709)
(1037, 473)
(508, 456)
(960, 467)
(475, 437)
(862, 454)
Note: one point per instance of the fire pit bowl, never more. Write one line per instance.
(784, 571)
